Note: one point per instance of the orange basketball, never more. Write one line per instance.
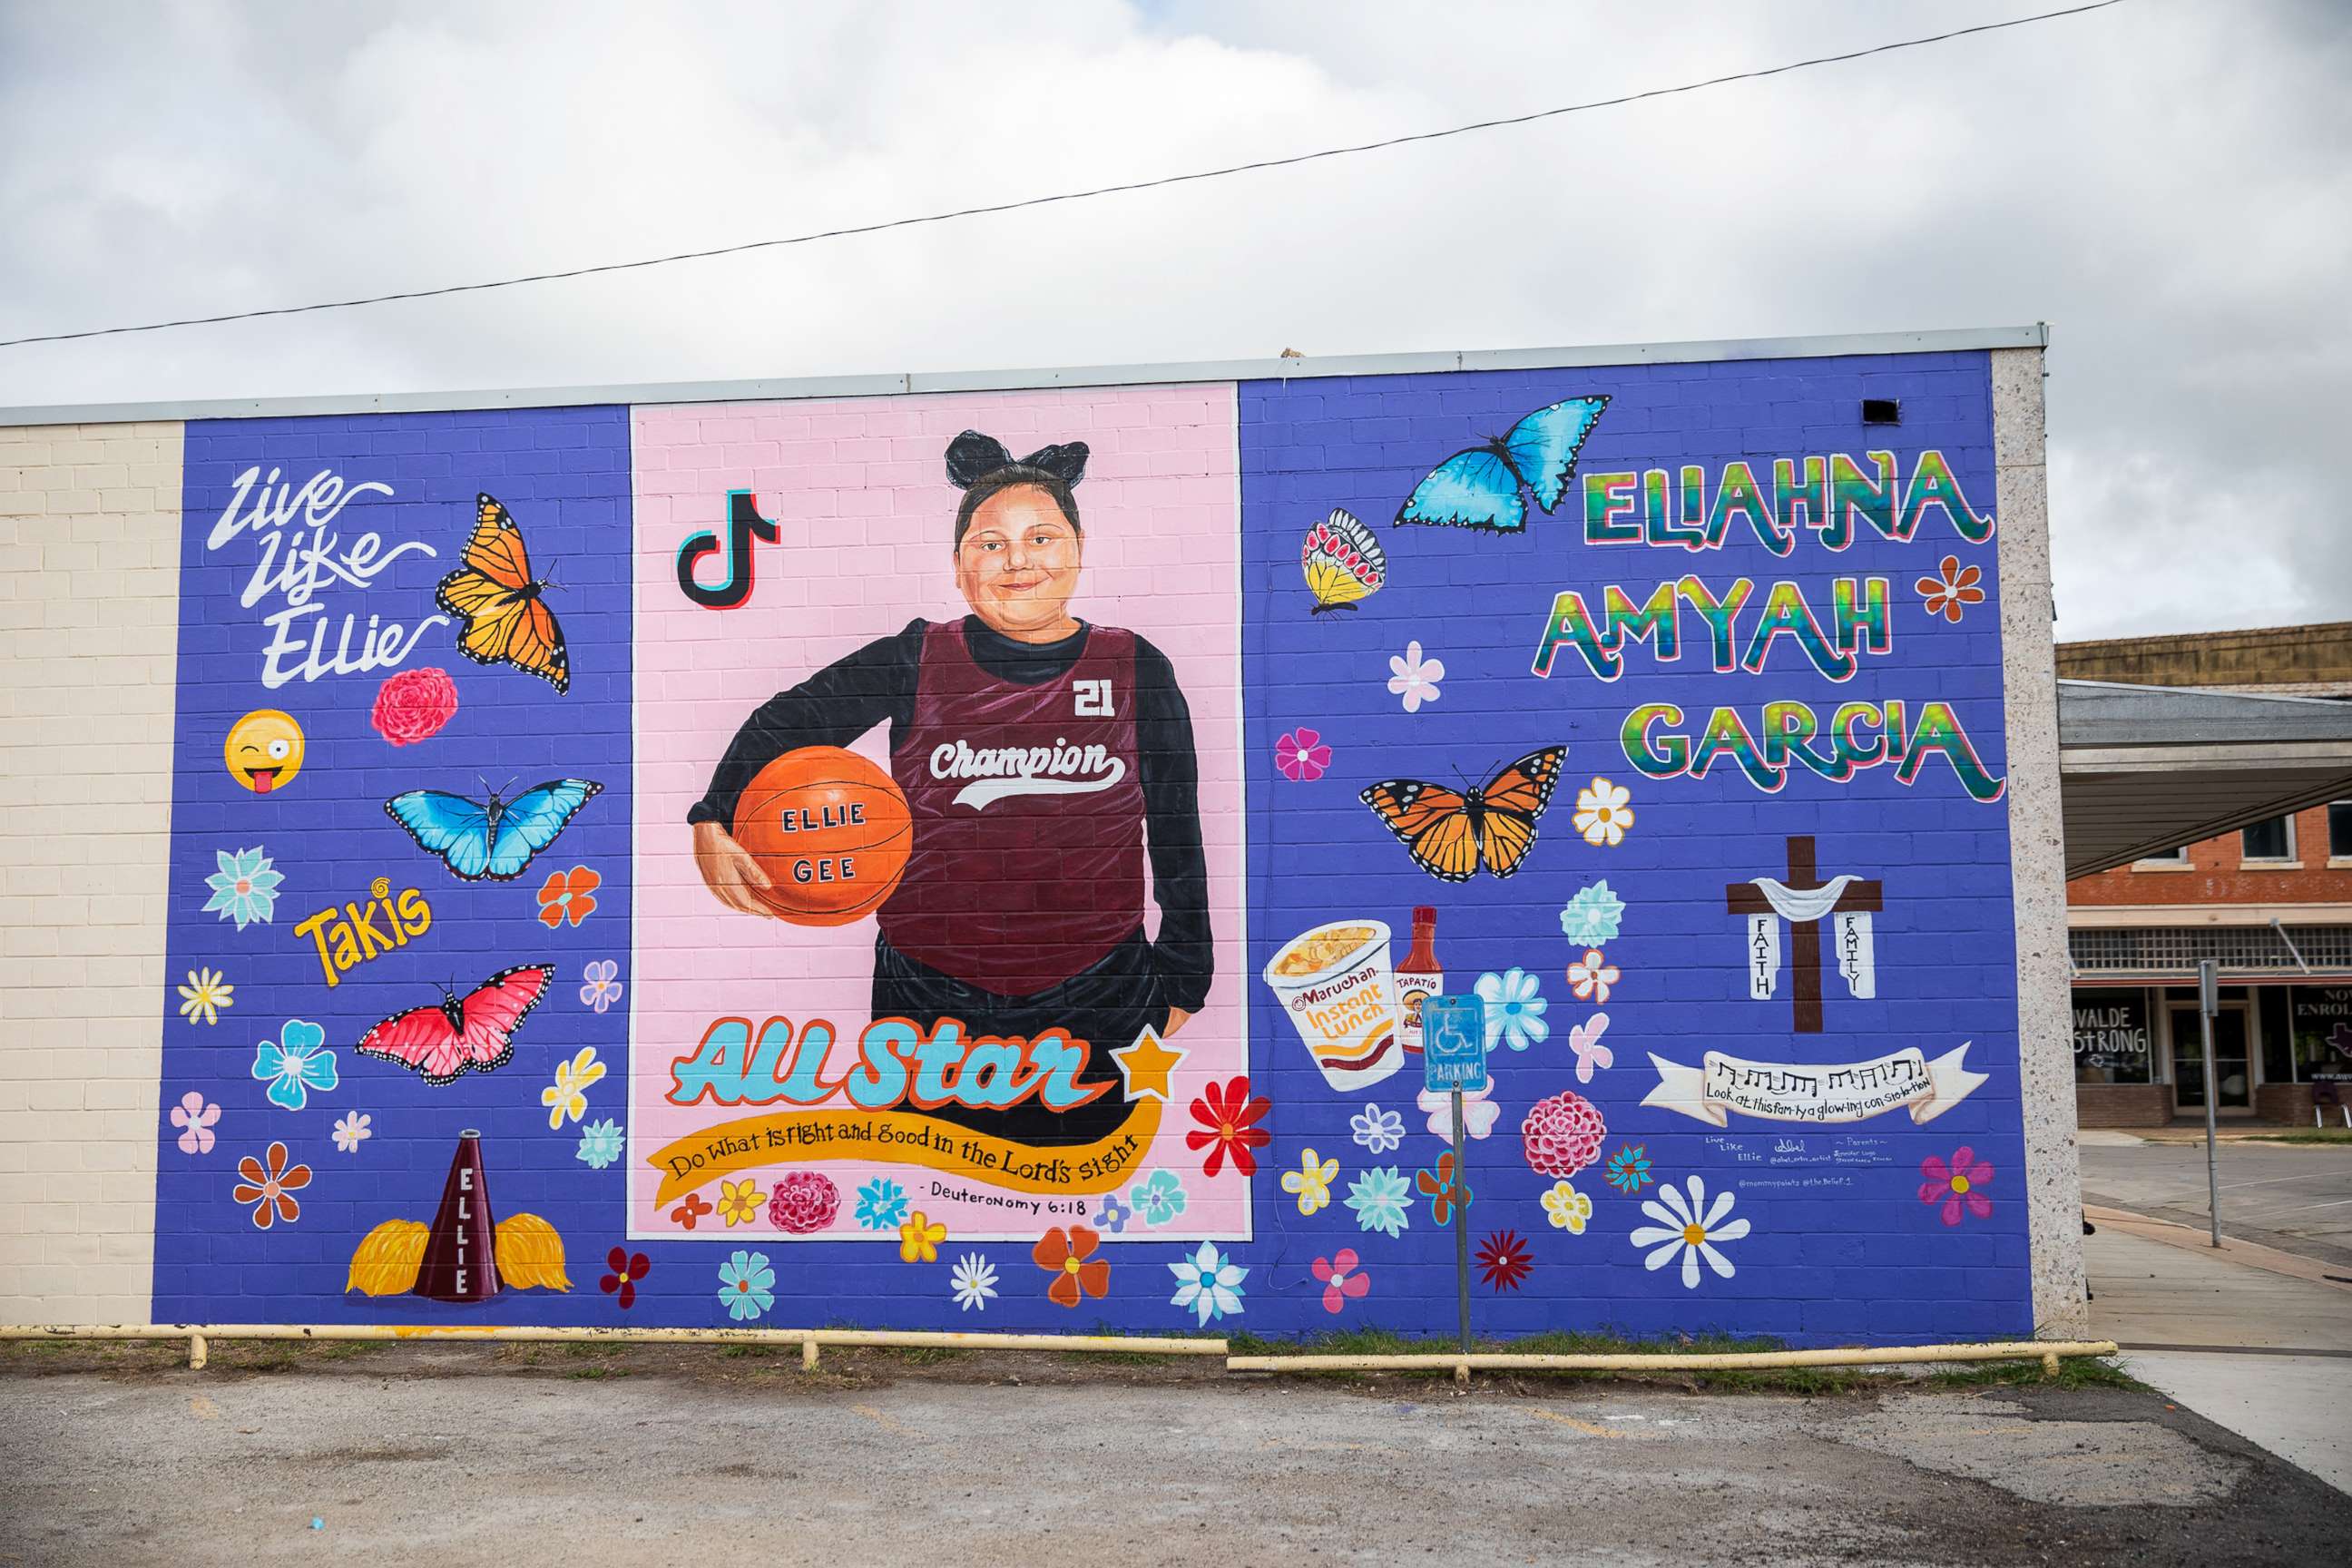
(831, 830)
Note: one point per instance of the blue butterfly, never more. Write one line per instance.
(495, 840)
(1480, 488)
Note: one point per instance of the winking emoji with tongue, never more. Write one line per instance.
(263, 750)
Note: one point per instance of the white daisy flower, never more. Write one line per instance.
(1515, 1009)
(1688, 1230)
(974, 1282)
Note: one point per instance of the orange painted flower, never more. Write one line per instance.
(568, 896)
(271, 1192)
(1227, 1116)
(687, 1213)
(1956, 588)
(1068, 1256)
(1443, 1187)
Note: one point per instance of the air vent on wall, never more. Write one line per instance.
(1881, 411)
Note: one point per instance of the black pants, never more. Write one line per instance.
(1106, 1004)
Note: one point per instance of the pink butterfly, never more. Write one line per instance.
(472, 1034)
(1585, 1040)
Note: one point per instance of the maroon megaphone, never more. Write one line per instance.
(460, 1252)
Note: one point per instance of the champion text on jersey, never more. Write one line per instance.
(998, 772)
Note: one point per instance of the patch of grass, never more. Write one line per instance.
(2074, 1371)
(920, 1355)
(737, 1352)
(2303, 1135)
(593, 1373)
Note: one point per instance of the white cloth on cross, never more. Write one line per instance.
(1851, 946)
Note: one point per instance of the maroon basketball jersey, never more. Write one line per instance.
(1027, 864)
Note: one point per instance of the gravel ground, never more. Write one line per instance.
(447, 1456)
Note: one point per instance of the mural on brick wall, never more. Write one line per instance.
(984, 860)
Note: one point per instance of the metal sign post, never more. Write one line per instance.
(1454, 1059)
(2209, 1003)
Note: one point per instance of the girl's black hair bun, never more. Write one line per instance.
(1067, 462)
(972, 455)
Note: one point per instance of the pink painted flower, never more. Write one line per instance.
(1960, 1182)
(1342, 1282)
(804, 1202)
(194, 1119)
(413, 705)
(1301, 755)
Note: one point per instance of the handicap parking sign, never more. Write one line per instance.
(1454, 1043)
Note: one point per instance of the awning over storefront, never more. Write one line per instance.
(2144, 769)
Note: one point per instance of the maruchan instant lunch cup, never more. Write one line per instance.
(1336, 984)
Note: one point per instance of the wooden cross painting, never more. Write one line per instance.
(1803, 901)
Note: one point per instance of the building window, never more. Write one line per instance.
(2164, 858)
(2272, 840)
(2112, 1037)
(2339, 830)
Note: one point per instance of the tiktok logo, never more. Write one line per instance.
(744, 524)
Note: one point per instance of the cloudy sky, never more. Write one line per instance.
(2168, 183)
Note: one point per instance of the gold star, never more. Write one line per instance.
(1146, 1065)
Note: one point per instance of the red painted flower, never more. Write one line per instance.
(1958, 1185)
(627, 1267)
(688, 1212)
(1504, 1260)
(1956, 588)
(413, 705)
(1068, 1256)
(568, 896)
(804, 1202)
(271, 1192)
(1227, 1116)
(1443, 1187)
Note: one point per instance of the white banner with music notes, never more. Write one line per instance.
(1777, 1091)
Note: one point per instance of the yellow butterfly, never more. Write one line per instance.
(1343, 562)
(494, 594)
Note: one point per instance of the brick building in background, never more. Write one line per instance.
(2272, 902)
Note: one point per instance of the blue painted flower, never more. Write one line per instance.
(1210, 1283)
(244, 888)
(294, 1064)
(747, 1285)
(1628, 1170)
(881, 1204)
(1591, 918)
(1114, 1216)
(1159, 1197)
(1381, 1198)
(600, 1144)
(1515, 1009)
(1376, 1130)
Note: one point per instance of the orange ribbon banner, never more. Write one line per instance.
(904, 1138)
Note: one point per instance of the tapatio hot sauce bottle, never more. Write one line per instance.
(1419, 977)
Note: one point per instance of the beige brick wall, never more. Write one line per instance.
(90, 525)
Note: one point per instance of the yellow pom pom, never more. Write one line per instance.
(388, 1258)
(531, 1254)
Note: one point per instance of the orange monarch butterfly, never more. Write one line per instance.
(1448, 833)
(506, 622)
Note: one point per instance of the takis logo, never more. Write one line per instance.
(744, 524)
(351, 935)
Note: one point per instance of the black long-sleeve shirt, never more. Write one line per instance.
(877, 683)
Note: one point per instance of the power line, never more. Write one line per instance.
(1070, 195)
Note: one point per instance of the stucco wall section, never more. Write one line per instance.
(2045, 1047)
(90, 520)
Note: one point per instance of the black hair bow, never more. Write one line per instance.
(973, 457)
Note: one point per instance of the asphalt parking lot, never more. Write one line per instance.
(458, 1456)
